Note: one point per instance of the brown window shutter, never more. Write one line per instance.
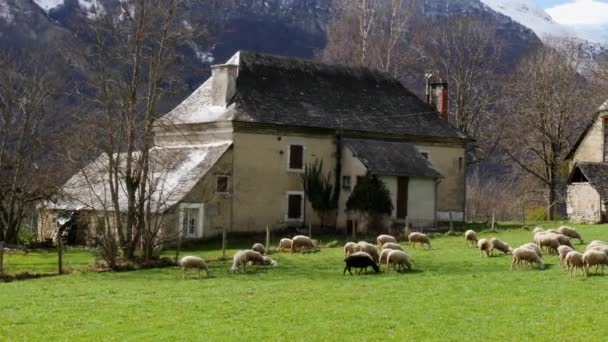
(296, 157)
(294, 210)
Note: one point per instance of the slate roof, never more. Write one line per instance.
(596, 174)
(389, 158)
(174, 171)
(299, 92)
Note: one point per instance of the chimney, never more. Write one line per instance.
(438, 97)
(223, 83)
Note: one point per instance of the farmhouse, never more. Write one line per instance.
(588, 179)
(238, 145)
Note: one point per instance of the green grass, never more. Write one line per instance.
(452, 295)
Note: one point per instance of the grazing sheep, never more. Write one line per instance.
(266, 261)
(526, 255)
(553, 231)
(563, 251)
(364, 246)
(470, 237)
(574, 260)
(384, 255)
(533, 247)
(563, 240)
(284, 244)
(594, 258)
(571, 233)
(392, 245)
(537, 230)
(484, 247)
(359, 260)
(398, 258)
(349, 248)
(548, 241)
(499, 245)
(382, 239)
(258, 247)
(302, 243)
(598, 246)
(241, 258)
(420, 238)
(193, 262)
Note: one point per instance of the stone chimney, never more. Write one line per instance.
(223, 83)
(438, 97)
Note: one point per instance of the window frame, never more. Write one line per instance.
(217, 178)
(289, 168)
(293, 193)
(201, 216)
(426, 155)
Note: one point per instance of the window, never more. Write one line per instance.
(295, 206)
(346, 183)
(221, 185)
(296, 158)
(460, 162)
(425, 155)
(191, 217)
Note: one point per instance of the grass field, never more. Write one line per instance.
(453, 295)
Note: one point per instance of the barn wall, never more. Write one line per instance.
(584, 204)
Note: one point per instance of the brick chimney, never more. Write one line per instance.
(223, 83)
(439, 98)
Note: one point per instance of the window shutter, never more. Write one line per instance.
(296, 157)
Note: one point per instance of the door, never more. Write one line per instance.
(402, 189)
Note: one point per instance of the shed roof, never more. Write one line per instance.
(391, 158)
(596, 174)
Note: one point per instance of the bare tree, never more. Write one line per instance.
(547, 96)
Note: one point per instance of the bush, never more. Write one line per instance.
(537, 214)
(26, 236)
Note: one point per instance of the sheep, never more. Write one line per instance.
(398, 258)
(382, 239)
(302, 242)
(537, 230)
(553, 231)
(360, 260)
(363, 246)
(258, 247)
(533, 247)
(598, 246)
(266, 261)
(548, 241)
(241, 258)
(563, 240)
(527, 255)
(420, 238)
(383, 255)
(392, 245)
(484, 247)
(574, 260)
(470, 237)
(284, 244)
(349, 248)
(193, 262)
(594, 258)
(571, 233)
(563, 251)
(499, 245)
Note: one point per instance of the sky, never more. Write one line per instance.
(579, 13)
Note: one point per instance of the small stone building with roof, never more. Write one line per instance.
(588, 179)
(247, 133)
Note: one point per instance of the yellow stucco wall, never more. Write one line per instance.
(592, 145)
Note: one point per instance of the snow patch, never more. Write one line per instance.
(47, 5)
(203, 56)
(92, 8)
(5, 13)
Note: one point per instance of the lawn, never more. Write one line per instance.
(453, 294)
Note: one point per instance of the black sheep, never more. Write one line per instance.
(361, 262)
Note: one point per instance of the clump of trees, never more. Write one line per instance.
(371, 201)
(319, 191)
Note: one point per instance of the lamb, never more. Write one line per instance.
(563, 251)
(382, 239)
(392, 245)
(266, 261)
(349, 248)
(193, 262)
(533, 247)
(571, 233)
(470, 237)
(241, 258)
(258, 247)
(398, 258)
(302, 242)
(363, 246)
(284, 244)
(499, 245)
(420, 238)
(538, 230)
(360, 260)
(574, 260)
(484, 247)
(594, 258)
(527, 255)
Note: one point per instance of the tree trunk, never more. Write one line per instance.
(551, 202)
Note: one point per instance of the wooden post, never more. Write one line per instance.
(310, 230)
(179, 245)
(523, 215)
(224, 242)
(1, 257)
(493, 219)
(354, 229)
(60, 255)
(451, 222)
(267, 238)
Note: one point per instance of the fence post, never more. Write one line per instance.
(267, 238)
(224, 242)
(310, 230)
(523, 215)
(493, 219)
(60, 255)
(1, 257)
(451, 222)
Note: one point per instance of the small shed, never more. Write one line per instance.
(588, 192)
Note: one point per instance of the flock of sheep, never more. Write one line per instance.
(362, 255)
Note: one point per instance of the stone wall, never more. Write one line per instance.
(584, 204)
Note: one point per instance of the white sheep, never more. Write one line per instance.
(499, 245)
(392, 245)
(284, 244)
(553, 231)
(241, 258)
(470, 237)
(258, 247)
(594, 258)
(193, 262)
(364, 246)
(349, 248)
(571, 233)
(548, 241)
(526, 255)
(400, 259)
(382, 239)
(574, 261)
(562, 239)
(302, 243)
(383, 255)
(533, 247)
(598, 246)
(266, 261)
(484, 247)
(420, 238)
(563, 251)
(537, 230)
